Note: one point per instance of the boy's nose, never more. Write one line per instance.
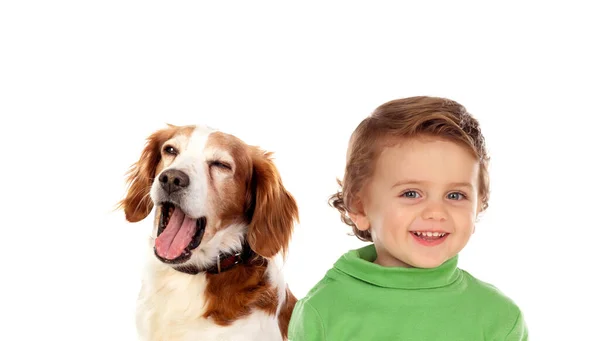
(435, 211)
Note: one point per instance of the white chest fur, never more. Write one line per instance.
(171, 307)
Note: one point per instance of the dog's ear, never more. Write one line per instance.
(137, 203)
(272, 210)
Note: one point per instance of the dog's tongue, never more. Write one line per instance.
(177, 235)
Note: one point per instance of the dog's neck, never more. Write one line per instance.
(223, 263)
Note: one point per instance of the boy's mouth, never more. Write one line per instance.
(427, 235)
(429, 238)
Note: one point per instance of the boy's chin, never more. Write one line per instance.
(427, 262)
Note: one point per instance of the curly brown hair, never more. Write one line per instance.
(406, 118)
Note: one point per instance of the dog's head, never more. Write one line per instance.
(212, 193)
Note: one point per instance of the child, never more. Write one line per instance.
(416, 179)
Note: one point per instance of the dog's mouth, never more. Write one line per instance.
(177, 235)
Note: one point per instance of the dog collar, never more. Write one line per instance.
(223, 263)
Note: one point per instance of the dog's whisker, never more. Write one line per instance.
(144, 197)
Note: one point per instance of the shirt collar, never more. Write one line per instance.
(359, 264)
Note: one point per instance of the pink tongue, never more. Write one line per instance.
(177, 235)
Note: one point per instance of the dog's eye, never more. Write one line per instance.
(220, 164)
(170, 150)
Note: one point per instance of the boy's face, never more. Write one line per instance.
(421, 203)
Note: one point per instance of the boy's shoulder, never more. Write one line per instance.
(507, 315)
(313, 311)
(488, 292)
(334, 285)
(324, 291)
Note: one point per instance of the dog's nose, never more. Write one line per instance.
(173, 180)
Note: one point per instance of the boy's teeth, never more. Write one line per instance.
(430, 234)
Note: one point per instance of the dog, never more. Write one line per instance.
(222, 224)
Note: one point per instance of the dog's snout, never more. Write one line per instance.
(173, 180)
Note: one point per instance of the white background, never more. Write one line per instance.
(83, 83)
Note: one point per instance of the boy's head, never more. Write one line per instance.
(416, 178)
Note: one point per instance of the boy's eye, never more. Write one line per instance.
(410, 194)
(456, 196)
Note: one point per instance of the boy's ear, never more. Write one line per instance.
(358, 215)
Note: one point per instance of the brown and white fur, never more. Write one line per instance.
(237, 189)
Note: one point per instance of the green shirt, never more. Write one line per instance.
(360, 300)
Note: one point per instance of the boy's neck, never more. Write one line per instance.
(385, 259)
